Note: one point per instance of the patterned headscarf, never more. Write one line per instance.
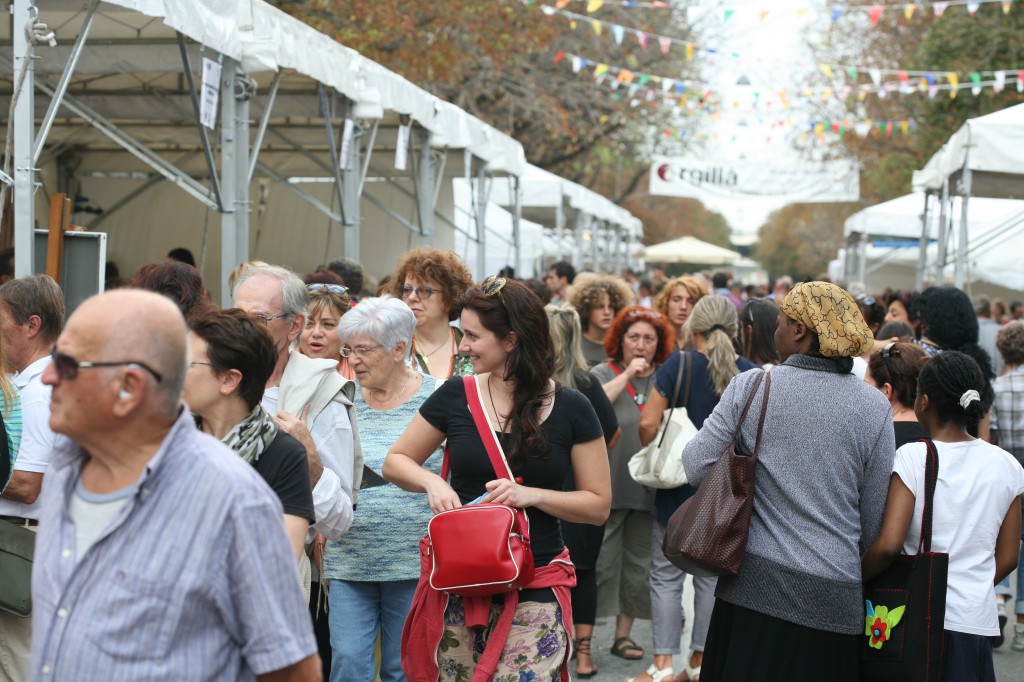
(833, 315)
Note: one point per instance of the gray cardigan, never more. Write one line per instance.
(823, 474)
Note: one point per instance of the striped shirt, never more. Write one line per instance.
(1008, 411)
(12, 426)
(194, 579)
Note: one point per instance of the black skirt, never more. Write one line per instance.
(747, 646)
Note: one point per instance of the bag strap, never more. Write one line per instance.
(764, 408)
(483, 425)
(685, 360)
(931, 477)
(629, 386)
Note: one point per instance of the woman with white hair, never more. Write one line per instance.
(374, 568)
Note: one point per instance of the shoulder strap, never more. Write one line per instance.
(685, 359)
(764, 408)
(629, 386)
(931, 477)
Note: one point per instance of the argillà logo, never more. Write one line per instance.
(715, 175)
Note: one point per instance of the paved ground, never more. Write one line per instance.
(1009, 664)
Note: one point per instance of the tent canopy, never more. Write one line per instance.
(690, 250)
(900, 218)
(989, 147)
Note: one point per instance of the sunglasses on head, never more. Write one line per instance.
(492, 286)
(67, 367)
(887, 353)
(333, 288)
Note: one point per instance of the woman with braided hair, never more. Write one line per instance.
(976, 518)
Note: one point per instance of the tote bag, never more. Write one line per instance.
(905, 606)
(659, 464)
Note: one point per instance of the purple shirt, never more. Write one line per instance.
(194, 579)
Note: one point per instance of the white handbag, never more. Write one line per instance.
(660, 463)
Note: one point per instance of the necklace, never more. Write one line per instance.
(426, 362)
(642, 392)
(501, 425)
(438, 347)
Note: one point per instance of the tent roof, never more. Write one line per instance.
(130, 70)
(901, 217)
(541, 189)
(690, 250)
(989, 146)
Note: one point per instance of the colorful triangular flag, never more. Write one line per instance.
(939, 8)
(972, 7)
(594, 5)
(875, 13)
(908, 10)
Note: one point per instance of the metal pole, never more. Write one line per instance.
(922, 254)
(517, 216)
(264, 121)
(961, 247)
(577, 249)
(229, 223)
(940, 255)
(351, 172)
(483, 192)
(423, 183)
(22, 14)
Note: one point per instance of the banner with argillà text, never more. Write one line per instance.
(785, 182)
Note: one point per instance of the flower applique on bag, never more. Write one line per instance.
(880, 622)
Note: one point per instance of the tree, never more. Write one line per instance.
(799, 239)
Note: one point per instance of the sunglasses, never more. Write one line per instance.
(492, 286)
(646, 312)
(67, 367)
(333, 288)
(888, 352)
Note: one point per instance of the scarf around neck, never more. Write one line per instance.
(251, 436)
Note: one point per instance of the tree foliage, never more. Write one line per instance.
(800, 239)
(955, 42)
(510, 64)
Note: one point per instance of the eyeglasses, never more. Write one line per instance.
(67, 367)
(360, 351)
(200, 362)
(888, 352)
(267, 319)
(333, 288)
(492, 286)
(421, 292)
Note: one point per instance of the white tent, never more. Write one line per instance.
(587, 227)
(690, 250)
(309, 137)
(982, 159)
(883, 246)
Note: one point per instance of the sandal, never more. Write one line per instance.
(624, 644)
(692, 674)
(582, 646)
(657, 675)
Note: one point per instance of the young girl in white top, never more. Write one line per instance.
(976, 517)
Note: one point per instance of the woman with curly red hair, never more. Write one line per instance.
(430, 281)
(638, 341)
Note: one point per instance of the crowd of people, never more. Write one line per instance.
(242, 492)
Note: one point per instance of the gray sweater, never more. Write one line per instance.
(822, 479)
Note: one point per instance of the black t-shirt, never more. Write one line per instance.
(572, 420)
(592, 389)
(284, 467)
(908, 432)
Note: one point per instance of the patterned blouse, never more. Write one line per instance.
(462, 366)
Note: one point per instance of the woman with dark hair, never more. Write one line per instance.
(894, 370)
(872, 310)
(545, 430)
(637, 342)
(712, 365)
(179, 282)
(948, 322)
(823, 466)
(430, 281)
(675, 301)
(758, 320)
(583, 540)
(976, 516)
(232, 358)
(898, 307)
(598, 299)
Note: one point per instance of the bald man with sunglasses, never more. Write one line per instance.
(161, 554)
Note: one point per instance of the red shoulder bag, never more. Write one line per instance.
(479, 550)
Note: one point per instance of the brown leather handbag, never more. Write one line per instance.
(707, 535)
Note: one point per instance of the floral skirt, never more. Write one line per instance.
(534, 652)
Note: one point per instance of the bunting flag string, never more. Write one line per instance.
(643, 38)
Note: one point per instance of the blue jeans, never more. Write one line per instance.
(358, 611)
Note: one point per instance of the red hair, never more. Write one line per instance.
(626, 318)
